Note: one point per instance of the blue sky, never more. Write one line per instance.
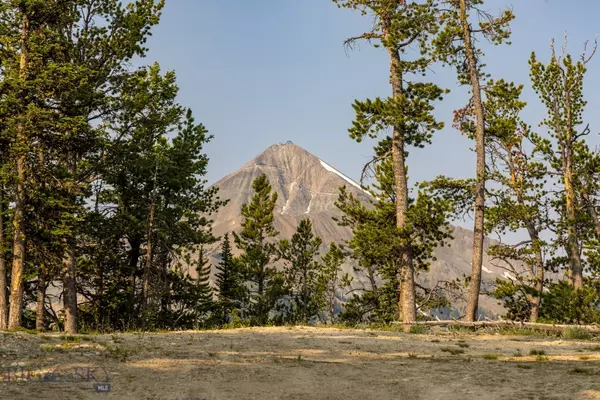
(259, 72)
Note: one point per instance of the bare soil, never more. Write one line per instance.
(298, 363)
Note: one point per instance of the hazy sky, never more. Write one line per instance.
(259, 72)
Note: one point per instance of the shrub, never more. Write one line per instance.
(418, 329)
(576, 333)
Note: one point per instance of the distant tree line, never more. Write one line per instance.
(104, 210)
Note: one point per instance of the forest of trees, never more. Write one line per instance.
(104, 208)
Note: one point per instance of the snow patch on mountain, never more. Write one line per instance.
(344, 177)
(510, 276)
(309, 203)
(287, 202)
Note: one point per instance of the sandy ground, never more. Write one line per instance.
(298, 363)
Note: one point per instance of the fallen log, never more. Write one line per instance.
(505, 324)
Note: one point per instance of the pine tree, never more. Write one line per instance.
(329, 278)
(30, 40)
(377, 244)
(259, 251)
(455, 45)
(302, 272)
(519, 201)
(205, 291)
(408, 113)
(560, 87)
(62, 62)
(228, 281)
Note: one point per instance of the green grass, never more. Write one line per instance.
(490, 356)
(461, 329)
(521, 332)
(576, 333)
(47, 348)
(70, 338)
(536, 352)
(418, 329)
(452, 350)
(119, 353)
(593, 348)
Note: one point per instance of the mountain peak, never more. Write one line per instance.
(308, 187)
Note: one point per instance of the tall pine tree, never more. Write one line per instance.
(259, 251)
(456, 45)
(302, 272)
(230, 292)
(400, 27)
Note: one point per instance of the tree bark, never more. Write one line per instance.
(17, 284)
(478, 234)
(537, 269)
(536, 299)
(134, 256)
(148, 263)
(3, 293)
(574, 255)
(406, 275)
(40, 320)
(70, 290)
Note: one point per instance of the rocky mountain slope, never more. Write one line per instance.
(307, 187)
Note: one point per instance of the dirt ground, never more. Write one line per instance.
(298, 363)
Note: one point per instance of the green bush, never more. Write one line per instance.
(563, 304)
(576, 333)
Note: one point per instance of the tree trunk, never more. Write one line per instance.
(148, 263)
(478, 234)
(17, 284)
(3, 294)
(134, 256)
(41, 300)
(539, 274)
(406, 274)
(70, 290)
(574, 255)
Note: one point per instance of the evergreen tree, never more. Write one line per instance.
(302, 272)
(560, 87)
(205, 291)
(30, 45)
(456, 45)
(61, 62)
(153, 198)
(259, 251)
(519, 202)
(330, 280)
(400, 26)
(228, 281)
(376, 245)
